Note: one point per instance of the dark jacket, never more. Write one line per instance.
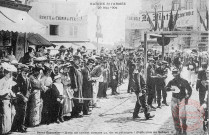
(87, 89)
(201, 77)
(23, 87)
(138, 84)
(182, 84)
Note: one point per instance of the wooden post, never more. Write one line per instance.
(163, 47)
(145, 55)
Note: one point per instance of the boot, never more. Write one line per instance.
(149, 116)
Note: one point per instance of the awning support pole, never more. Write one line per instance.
(163, 46)
(145, 55)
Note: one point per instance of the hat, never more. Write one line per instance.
(9, 67)
(62, 48)
(57, 77)
(76, 57)
(6, 60)
(204, 65)
(37, 69)
(164, 62)
(14, 62)
(39, 59)
(91, 60)
(175, 71)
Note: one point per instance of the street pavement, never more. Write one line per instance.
(115, 117)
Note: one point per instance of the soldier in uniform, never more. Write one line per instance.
(200, 86)
(161, 73)
(139, 87)
(150, 82)
(179, 98)
(130, 69)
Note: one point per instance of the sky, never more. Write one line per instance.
(112, 20)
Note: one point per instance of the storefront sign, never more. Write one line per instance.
(61, 18)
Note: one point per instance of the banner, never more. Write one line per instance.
(141, 21)
(186, 18)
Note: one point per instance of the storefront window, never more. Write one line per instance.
(53, 29)
(189, 4)
(203, 4)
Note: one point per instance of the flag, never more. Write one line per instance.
(202, 21)
(170, 23)
(99, 28)
(175, 19)
(162, 20)
(156, 20)
(207, 18)
(150, 22)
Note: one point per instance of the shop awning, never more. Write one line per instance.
(19, 21)
(36, 39)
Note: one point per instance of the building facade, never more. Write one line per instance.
(189, 12)
(64, 26)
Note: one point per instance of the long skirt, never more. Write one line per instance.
(7, 113)
(35, 106)
(68, 101)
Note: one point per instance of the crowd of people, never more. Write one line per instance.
(42, 89)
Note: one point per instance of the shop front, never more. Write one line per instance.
(16, 27)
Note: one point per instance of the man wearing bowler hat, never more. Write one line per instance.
(22, 90)
(87, 88)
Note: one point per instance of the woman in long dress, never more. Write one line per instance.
(35, 102)
(6, 108)
(67, 92)
(46, 83)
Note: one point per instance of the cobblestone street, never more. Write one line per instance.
(115, 117)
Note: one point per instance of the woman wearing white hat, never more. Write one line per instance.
(6, 93)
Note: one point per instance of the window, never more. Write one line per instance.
(73, 31)
(203, 4)
(189, 4)
(53, 29)
(176, 4)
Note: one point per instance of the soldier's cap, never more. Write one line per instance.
(175, 71)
